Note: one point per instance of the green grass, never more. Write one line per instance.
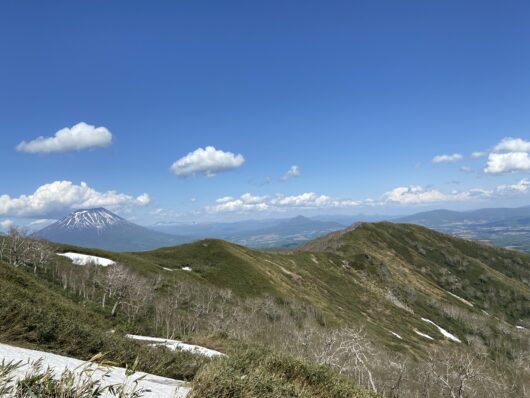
(259, 373)
(36, 314)
(382, 276)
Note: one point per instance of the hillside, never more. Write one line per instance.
(384, 275)
(71, 313)
(390, 293)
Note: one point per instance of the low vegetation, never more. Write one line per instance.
(345, 311)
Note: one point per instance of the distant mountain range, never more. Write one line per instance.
(278, 233)
(507, 227)
(102, 229)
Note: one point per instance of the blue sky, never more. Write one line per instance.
(359, 95)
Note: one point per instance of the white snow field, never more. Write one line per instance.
(84, 259)
(174, 345)
(423, 334)
(450, 336)
(396, 335)
(153, 386)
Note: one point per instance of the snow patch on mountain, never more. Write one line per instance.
(174, 345)
(84, 259)
(99, 218)
(450, 336)
(153, 386)
(461, 299)
(423, 334)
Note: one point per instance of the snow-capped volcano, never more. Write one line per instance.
(98, 218)
(102, 229)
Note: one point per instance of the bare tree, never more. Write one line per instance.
(455, 371)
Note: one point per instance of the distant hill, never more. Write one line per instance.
(438, 218)
(271, 233)
(102, 229)
(507, 227)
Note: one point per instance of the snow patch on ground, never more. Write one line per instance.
(314, 259)
(520, 327)
(186, 269)
(461, 299)
(168, 269)
(396, 335)
(450, 336)
(84, 259)
(154, 386)
(423, 334)
(174, 345)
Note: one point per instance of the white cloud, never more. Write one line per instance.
(506, 162)
(42, 222)
(512, 145)
(225, 199)
(509, 155)
(521, 186)
(478, 154)
(59, 197)
(279, 203)
(80, 136)
(207, 161)
(455, 157)
(403, 196)
(5, 225)
(294, 171)
(417, 195)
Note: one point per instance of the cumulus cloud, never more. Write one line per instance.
(278, 203)
(507, 162)
(521, 186)
(208, 161)
(403, 196)
(512, 145)
(80, 136)
(59, 197)
(294, 171)
(509, 155)
(478, 154)
(417, 195)
(455, 157)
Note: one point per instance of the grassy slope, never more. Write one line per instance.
(36, 314)
(347, 275)
(257, 373)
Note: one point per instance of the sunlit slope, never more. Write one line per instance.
(384, 276)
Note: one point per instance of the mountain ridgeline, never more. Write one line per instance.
(100, 228)
(392, 293)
